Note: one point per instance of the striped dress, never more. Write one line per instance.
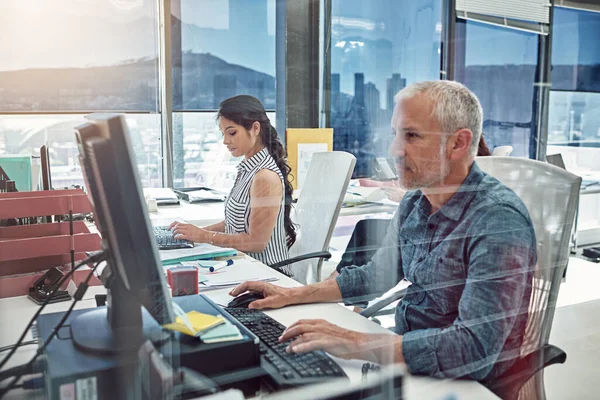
(237, 208)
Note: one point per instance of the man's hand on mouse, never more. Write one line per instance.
(274, 296)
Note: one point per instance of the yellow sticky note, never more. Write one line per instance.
(200, 323)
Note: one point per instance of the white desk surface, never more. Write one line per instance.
(204, 214)
(15, 312)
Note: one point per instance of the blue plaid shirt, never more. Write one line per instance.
(470, 265)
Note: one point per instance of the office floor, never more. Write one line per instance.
(575, 329)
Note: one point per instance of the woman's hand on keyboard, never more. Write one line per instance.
(274, 296)
(190, 232)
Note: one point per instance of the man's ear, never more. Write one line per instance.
(461, 144)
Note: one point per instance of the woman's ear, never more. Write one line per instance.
(256, 129)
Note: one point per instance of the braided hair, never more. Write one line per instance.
(244, 110)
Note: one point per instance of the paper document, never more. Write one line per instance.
(305, 152)
(241, 270)
(364, 194)
(205, 195)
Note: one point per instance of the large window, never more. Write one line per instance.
(65, 58)
(220, 49)
(377, 48)
(205, 159)
(574, 111)
(499, 65)
(25, 134)
(575, 97)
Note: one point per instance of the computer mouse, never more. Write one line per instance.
(244, 299)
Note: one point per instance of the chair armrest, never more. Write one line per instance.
(509, 384)
(317, 254)
(372, 310)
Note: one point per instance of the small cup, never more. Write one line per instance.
(152, 205)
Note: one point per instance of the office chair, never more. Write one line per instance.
(316, 213)
(366, 239)
(551, 196)
(502, 151)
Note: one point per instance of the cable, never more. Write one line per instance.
(37, 382)
(27, 343)
(17, 386)
(96, 258)
(24, 369)
(76, 297)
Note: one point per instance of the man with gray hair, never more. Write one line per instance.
(464, 241)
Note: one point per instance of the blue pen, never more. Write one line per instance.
(354, 193)
(220, 265)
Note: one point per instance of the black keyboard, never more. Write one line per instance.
(166, 241)
(286, 369)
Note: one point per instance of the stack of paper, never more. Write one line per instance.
(161, 195)
(198, 252)
(241, 270)
(205, 195)
(226, 332)
(195, 323)
(209, 328)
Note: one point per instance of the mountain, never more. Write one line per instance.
(204, 80)
(112, 66)
(131, 86)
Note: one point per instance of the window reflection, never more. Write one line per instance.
(377, 48)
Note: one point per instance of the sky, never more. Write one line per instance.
(80, 33)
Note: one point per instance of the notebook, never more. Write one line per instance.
(198, 252)
(241, 270)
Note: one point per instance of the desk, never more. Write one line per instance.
(203, 214)
(15, 312)
(588, 212)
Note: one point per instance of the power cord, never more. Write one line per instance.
(37, 382)
(96, 258)
(33, 383)
(10, 347)
(76, 297)
(24, 369)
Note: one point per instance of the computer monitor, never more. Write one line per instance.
(136, 276)
(84, 133)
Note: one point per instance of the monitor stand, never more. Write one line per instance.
(121, 327)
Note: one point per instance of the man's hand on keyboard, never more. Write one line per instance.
(318, 334)
(189, 232)
(274, 296)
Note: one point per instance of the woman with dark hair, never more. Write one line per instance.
(483, 149)
(257, 211)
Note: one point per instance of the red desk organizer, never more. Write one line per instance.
(27, 251)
